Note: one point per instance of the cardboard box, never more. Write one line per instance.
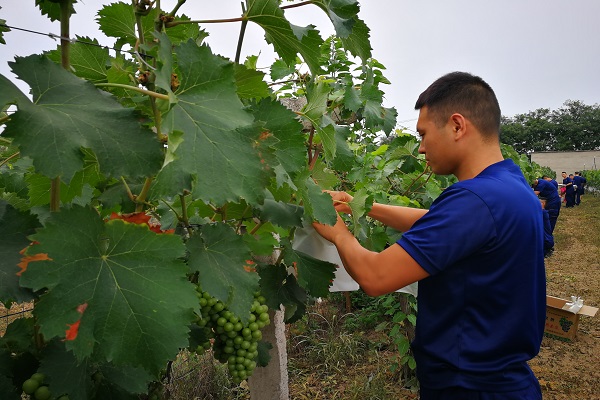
(561, 323)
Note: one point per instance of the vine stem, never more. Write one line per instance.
(176, 8)
(65, 51)
(304, 3)
(135, 89)
(3, 120)
(9, 158)
(205, 21)
(141, 198)
(184, 214)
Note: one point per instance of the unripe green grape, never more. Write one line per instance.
(42, 393)
(218, 307)
(38, 376)
(253, 326)
(241, 352)
(221, 321)
(264, 317)
(30, 385)
(257, 335)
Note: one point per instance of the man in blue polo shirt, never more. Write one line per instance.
(546, 190)
(477, 253)
(580, 182)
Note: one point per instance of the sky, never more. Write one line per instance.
(534, 53)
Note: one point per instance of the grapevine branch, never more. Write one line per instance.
(9, 158)
(135, 89)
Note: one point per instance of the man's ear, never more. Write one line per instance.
(459, 125)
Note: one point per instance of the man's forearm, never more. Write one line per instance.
(397, 217)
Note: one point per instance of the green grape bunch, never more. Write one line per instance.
(37, 389)
(233, 342)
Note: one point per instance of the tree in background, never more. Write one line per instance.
(575, 126)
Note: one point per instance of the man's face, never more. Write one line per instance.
(436, 143)
(564, 175)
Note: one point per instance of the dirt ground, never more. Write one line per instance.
(571, 371)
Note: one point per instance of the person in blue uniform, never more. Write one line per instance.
(580, 182)
(477, 253)
(548, 231)
(570, 190)
(552, 181)
(546, 190)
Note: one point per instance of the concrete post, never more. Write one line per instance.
(271, 382)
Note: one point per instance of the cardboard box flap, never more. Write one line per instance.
(560, 304)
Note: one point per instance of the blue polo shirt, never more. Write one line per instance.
(482, 311)
(549, 192)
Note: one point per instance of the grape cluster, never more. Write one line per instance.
(37, 389)
(565, 324)
(234, 342)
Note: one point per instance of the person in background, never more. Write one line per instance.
(569, 190)
(546, 190)
(552, 181)
(548, 234)
(478, 253)
(580, 182)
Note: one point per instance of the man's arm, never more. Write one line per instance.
(376, 273)
(397, 217)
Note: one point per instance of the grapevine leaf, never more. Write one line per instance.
(87, 60)
(287, 40)
(118, 20)
(263, 357)
(52, 9)
(358, 42)
(390, 116)
(218, 150)
(317, 204)
(15, 227)
(250, 83)
(290, 149)
(184, 32)
(3, 29)
(344, 157)
(341, 13)
(10, 93)
(279, 69)
(130, 379)
(323, 176)
(75, 192)
(164, 69)
(279, 213)
(17, 337)
(360, 206)
(137, 302)
(64, 373)
(72, 114)
(7, 388)
(281, 288)
(219, 256)
(315, 276)
(13, 188)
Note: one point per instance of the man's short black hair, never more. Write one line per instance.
(466, 94)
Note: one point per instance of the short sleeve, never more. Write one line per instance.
(458, 224)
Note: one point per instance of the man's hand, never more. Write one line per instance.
(332, 233)
(340, 201)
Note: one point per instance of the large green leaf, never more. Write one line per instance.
(15, 227)
(290, 148)
(280, 287)
(88, 60)
(215, 148)
(70, 114)
(139, 302)
(64, 374)
(10, 93)
(220, 255)
(287, 40)
(314, 275)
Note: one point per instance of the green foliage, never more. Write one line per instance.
(575, 126)
(130, 179)
(592, 181)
